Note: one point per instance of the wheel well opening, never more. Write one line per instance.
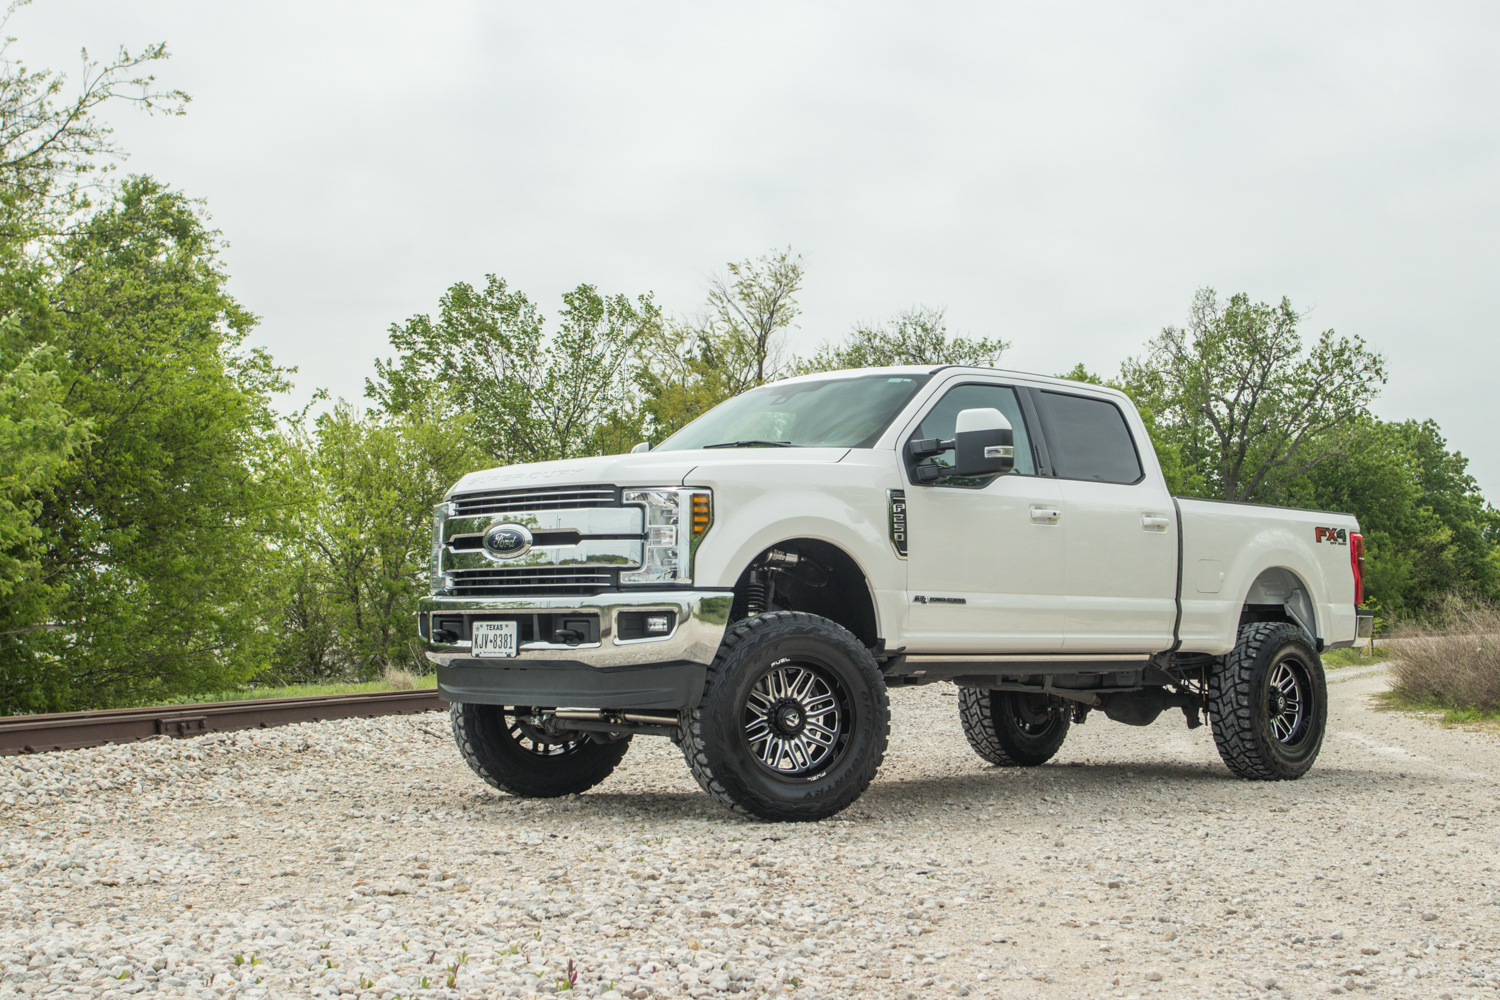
(810, 575)
(1278, 595)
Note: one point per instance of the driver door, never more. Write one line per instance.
(986, 558)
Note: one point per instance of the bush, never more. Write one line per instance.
(1453, 660)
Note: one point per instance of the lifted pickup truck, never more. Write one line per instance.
(752, 587)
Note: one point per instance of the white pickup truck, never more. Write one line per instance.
(752, 586)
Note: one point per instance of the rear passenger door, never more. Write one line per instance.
(1121, 567)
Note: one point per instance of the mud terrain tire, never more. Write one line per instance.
(1012, 728)
(1268, 703)
(794, 719)
(515, 757)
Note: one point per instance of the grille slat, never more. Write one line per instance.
(534, 499)
(530, 580)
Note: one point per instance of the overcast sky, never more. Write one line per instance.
(1062, 175)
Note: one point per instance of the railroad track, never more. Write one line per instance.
(72, 730)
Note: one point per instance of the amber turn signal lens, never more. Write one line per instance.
(700, 514)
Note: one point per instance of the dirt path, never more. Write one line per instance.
(362, 857)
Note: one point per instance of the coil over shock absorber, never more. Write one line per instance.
(760, 588)
(756, 593)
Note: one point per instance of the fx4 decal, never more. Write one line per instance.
(1333, 536)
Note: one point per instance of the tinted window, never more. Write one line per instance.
(942, 418)
(842, 413)
(1088, 439)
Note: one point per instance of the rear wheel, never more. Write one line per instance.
(1269, 703)
(510, 749)
(794, 719)
(1012, 728)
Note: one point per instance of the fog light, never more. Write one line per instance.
(644, 624)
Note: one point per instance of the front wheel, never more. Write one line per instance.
(1269, 703)
(794, 719)
(1012, 728)
(512, 749)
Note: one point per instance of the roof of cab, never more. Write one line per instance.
(895, 370)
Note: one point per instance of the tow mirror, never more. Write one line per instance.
(983, 444)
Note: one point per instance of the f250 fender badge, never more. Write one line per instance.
(1333, 536)
(896, 499)
(923, 599)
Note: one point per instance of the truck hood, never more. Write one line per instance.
(660, 468)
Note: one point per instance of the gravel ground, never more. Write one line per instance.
(362, 857)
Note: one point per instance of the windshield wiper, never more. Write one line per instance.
(754, 443)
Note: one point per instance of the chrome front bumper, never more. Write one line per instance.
(664, 672)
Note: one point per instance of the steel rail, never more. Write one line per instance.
(72, 730)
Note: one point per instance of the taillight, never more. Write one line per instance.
(1357, 559)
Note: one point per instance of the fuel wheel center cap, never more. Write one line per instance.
(787, 719)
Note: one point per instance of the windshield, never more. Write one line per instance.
(829, 413)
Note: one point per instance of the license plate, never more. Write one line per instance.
(494, 639)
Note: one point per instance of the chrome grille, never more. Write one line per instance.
(534, 498)
(529, 580)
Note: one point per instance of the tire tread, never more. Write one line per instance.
(976, 715)
(595, 763)
(1231, 701)
(721, 785)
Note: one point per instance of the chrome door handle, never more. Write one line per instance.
(1045, 515)
(1155, 522)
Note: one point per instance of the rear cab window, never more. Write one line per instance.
(1087, 438)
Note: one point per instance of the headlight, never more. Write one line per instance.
(440, 582)
(675, 520)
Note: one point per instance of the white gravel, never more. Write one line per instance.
(363, 858)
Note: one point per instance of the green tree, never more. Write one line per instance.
(916, 336)
(51, 144)
(1428, 530)
(355, 556)
(684, 368)
(39, 438)
(531, 397)
(750, 308)
(1250, 408)
(678, 375)
(156, 530)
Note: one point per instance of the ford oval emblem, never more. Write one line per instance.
(506, 541)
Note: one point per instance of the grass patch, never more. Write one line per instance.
(1453, 663)
(306, 690)
(1354, 656)
(1448, 715)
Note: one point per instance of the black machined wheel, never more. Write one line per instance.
(508, 747)
(794, 719)
(1012, 728)
(1268, 703)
